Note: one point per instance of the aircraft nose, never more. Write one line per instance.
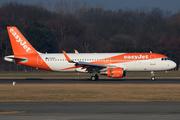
(173, 64)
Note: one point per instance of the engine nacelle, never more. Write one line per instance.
(116, 72)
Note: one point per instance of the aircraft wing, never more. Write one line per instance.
(85, 65)
(15, 58)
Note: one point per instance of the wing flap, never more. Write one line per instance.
(90, 64)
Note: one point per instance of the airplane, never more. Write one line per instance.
(114, 65)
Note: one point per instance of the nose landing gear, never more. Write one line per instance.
(152, 76)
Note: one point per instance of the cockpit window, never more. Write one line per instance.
(165, 59)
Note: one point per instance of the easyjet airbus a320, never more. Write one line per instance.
(113, 65)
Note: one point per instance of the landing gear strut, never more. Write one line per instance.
(152, 76)
(93, 78)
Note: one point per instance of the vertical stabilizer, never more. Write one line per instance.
(19, 43)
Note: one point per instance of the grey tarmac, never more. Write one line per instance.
(93, 111)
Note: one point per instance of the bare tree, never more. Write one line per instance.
(49, 6)
(75, 8)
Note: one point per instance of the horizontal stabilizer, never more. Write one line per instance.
(11, 58)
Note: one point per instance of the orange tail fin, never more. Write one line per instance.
(19, 43)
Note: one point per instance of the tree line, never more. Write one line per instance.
(91, 29)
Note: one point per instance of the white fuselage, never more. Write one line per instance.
(57, 62)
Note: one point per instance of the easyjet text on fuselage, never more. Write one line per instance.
(136, 57)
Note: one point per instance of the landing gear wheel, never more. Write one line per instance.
(93, 78)
(153, 78)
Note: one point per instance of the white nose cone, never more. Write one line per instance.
(172, 65)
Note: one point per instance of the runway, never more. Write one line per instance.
(37, 80)
(94, 111)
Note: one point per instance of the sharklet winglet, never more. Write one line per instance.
(67, 58)
(76, 51)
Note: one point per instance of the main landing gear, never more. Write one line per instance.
(95, 77)
(152, 76)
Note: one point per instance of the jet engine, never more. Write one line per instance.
(116, 72)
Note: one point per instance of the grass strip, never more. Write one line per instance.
(12, 112)
(89, 92)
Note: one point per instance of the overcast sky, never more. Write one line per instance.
(170, 5)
